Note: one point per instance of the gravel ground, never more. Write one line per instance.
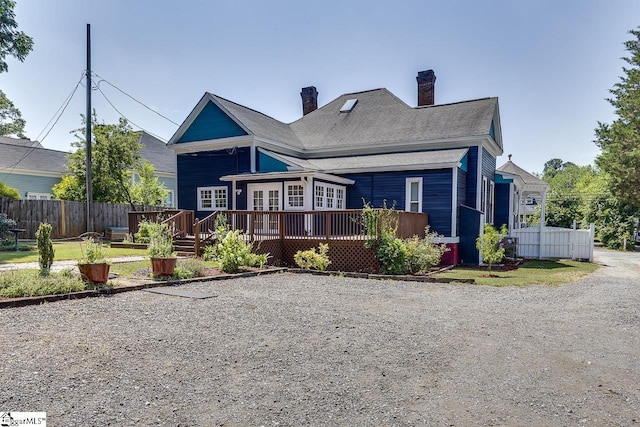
(290, 349)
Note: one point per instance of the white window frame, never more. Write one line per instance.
(214, 205)
(408, 201)
(321, 201)
(288, 197)
(491, 202)
(171, 197)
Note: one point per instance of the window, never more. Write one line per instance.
(295, 196)
(413, 195)
(490, 202)
(212, 198)
(168, 202)
(329, 196)
(320, 196)
(487, 199)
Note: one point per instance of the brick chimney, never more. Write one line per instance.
(426, 87)
(309, 99)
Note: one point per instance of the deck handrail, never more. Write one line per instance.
(181, 223)
(203, 231)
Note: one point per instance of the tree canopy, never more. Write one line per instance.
(17, 44)
(115, 156)
(620, 140)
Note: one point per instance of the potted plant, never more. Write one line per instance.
(93, 265)
(160, 249)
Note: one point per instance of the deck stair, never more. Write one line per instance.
(184, 246)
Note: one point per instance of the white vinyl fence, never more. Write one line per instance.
(554, 242)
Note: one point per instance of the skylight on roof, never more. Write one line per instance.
(348, 105)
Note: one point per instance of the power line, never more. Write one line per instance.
(59, 114)
(125, 117)
(102, 79)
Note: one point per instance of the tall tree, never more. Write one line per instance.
(17, 44)
(12, 42)
(620, 140)
(115, 154)
(11, 121)
(147, 189)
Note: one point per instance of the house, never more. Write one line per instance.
(30, 168)
(518, 195)
(33, 170)
(438, 159)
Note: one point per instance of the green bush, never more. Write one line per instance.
(144, 232)
(422, 254)
(489, 244)
(189, 268)
(392, 254)
(45, 248)
(160, 243)
(92, 252)
(232, 252)
(312, 259)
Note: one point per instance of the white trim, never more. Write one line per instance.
(454, 239)
(454, 202)
(512, 196)
(172, 193)
(38, 196)
(407, 193)
(28, 172)
(288, 175)
(213, 190)
(212, 144)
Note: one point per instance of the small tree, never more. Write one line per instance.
(489, 244)
(45, 248)
(6, 191)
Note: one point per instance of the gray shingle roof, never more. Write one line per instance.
(392, 161)
(19, 141)
(260, 124)
(378, 118)
(156, 152)
(514, 169)
(20, 157)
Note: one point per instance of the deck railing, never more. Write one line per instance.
(135, 217)
(181, 223)
(326, 225)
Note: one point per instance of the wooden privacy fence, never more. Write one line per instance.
(67, 219)
(554, 242)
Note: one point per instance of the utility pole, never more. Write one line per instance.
(88, 135)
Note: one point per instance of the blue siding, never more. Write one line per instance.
(472, 174)
(488, 165)
(462, 191)
(464, 162)
(211, 123)
(204, 169)
(267, 163)
(390, 186)
(502, 200)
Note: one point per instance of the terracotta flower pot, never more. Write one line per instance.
(95, 273)
(163, 266)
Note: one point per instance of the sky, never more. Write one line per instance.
(551, 63)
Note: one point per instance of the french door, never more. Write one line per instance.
(265, 198)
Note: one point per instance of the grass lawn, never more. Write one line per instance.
(64, 251)
(537, 272)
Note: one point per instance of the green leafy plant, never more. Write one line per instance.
(27, 283)
(232, 252)
(489, 244)
(45, 248)
(160, 240)
(189, 268)
(6, 223)
(381, 226)
(144, 232)
(392, 254)
(92, 252)
(422, 254)
(313, 258)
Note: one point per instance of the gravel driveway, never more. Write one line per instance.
(288, 349)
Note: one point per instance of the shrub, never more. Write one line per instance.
(144, 232)
(422, 254)
(160, 240)
(27, 283)
(232, 252)
(92, 252)
(489, 244)
(392, 254)
(45, 248)
(189, 268)
(312, 259)
(5, 224)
